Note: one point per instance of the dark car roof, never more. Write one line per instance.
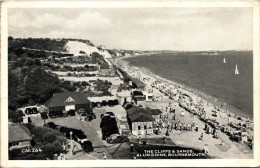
(81, 136)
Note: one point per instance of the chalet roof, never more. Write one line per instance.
(139, 98)
(136, 114)
(18, 133)
(66, 98)
(101, 98)
(155, 111)
(138, 83)
(137, 93)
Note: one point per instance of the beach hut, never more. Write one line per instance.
(138, 84)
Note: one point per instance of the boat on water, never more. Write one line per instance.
(236, 71)
(224, 60)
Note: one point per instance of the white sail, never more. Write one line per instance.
(236, 70)
(224, 60)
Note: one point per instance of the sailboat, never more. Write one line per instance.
(224, 60)
(236, 71)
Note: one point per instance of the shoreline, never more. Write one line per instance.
(204, 96)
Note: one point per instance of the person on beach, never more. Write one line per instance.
(197, 128)
(206, 149)
(164, 137)
(182, 114)
(214, 131)
(221, 143)
(104, 156)
(185, 127)
(216, 135)
(163, 124)
(131, 147)
(176, 126)
(189, 127)
(201, 136)
(140, 141)
(208, 130)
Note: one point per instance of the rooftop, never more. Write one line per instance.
(66, 98)
(138, 83)
(155, 111)
(137, 114)
(18, 133)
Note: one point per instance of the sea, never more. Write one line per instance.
(207, 73)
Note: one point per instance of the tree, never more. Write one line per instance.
(28, 62)
(40, 85)
(37, 62)
(84, 83)
(13, 82)
(10, 38)
(15, 116)
(48, 140)
(19, 51)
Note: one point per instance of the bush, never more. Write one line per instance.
(48, 140)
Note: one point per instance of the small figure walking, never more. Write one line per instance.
(104, 156)
(140, 141)
(201, 136)
(197, 128)
(164, 138)
(131, 147)
(206, 149)
(221, 143)
(182, 113)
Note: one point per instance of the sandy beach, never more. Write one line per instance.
(205, 96)
(220, 147)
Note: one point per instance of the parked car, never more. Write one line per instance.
(103, 115)
(104, 103)
(87, 146)
(112, 102)
(34, 110)
(44, 115)
(28, 111)
(116, 138)
(82, 110)
(54, 114)
(90, 116)
(110, 113)
(80, 137)
(108, 126)
(51, 125)
(71, 112)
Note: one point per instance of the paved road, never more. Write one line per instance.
(87, 127)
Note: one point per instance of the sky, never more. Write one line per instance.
(189, 29)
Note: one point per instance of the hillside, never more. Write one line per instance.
(77, 47)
